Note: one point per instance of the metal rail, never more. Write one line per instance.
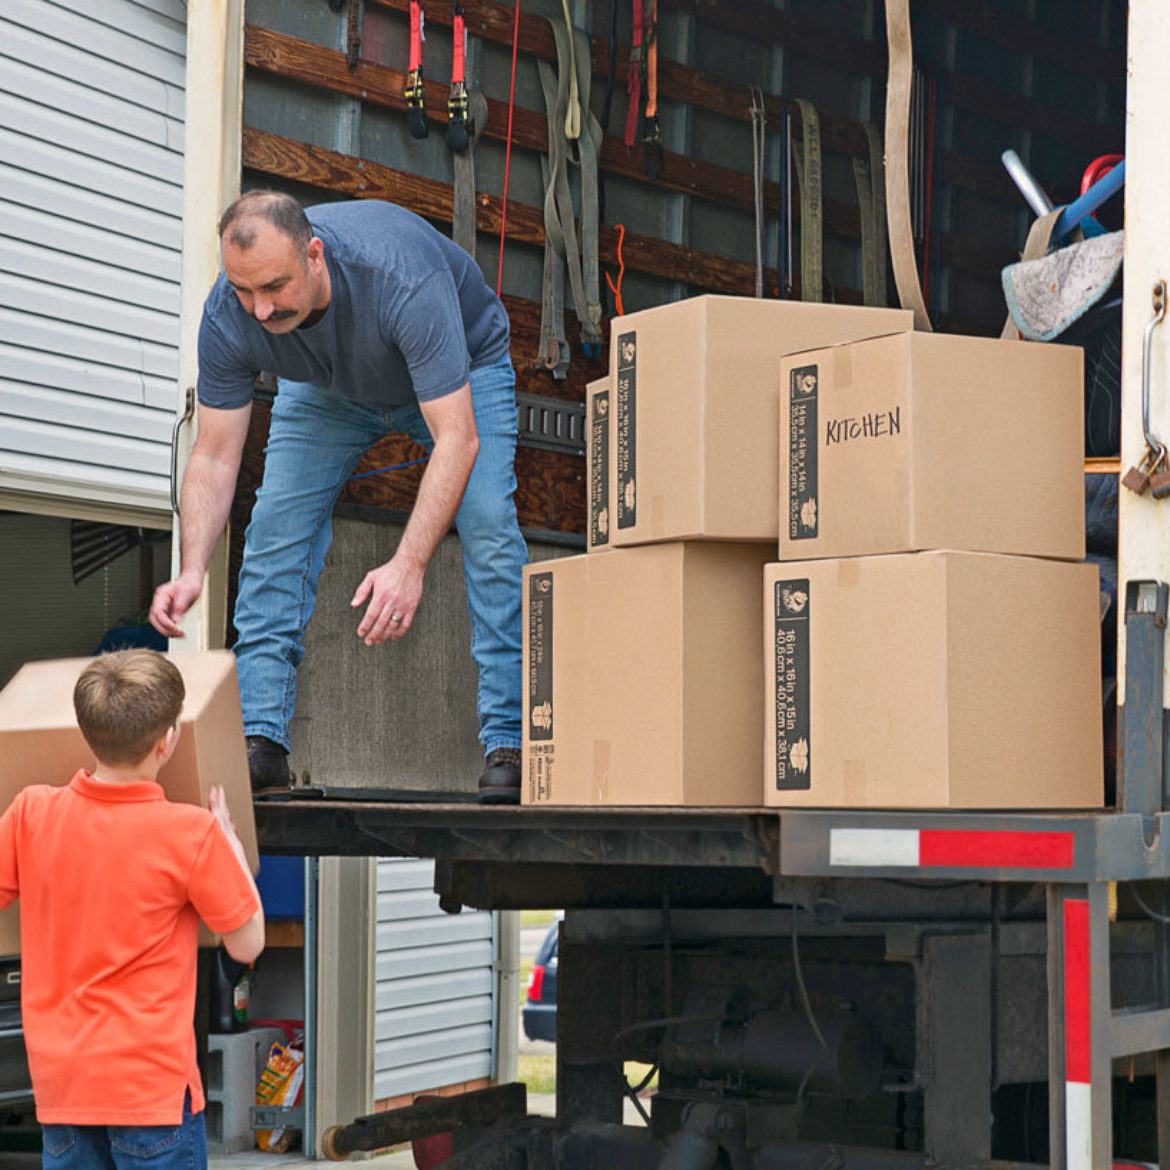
(1010, 847)
(734, 838)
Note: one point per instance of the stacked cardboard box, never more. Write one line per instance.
(967, 676)
(930, 640)
(643, 665)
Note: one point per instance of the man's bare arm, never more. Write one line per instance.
(395, 588)
(209, 484)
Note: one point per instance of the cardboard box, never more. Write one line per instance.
(40, 743)
(598, 464)
(933, 680)
(925, 441)
(643, 671)
(694, 400)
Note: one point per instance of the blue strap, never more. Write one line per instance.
(1079, 211)
(392, 467)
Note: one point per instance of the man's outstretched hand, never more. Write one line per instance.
(171, 602)
(393, 591)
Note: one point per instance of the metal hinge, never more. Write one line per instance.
(187, 415)
(550, 423)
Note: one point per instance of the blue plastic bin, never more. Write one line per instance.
(281, 883)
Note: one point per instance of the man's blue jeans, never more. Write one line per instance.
(127, 1147)
(315, 441)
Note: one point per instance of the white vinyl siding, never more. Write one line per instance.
(91, 172)
(434, 1001)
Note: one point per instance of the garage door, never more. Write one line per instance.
(91, 169)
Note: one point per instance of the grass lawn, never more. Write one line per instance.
(539, 1073)
(536, 917)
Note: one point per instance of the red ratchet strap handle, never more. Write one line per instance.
(651, 131)
(1098, 169)
(457, 99)
(416, 96)
(634, 77)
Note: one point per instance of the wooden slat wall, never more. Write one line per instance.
(845, 36)
(300, 60)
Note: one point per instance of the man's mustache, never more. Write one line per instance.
(279, 315)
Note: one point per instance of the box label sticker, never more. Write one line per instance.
(627, 425)
(802, 453)
(540, 656)
(599, 470)
(793, 762)
(540, 774)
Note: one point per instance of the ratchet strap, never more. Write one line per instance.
(457, 97)
(634, 77)
(642, 79)
(651, 130)
(574, 135)
(759, 125)
(871, 202)
(554, 349)
(897, 162)
(607, 104)
(808, 178)
(464, 217)
(415, 92)
(353, 34)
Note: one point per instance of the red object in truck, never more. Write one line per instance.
(432, 1151)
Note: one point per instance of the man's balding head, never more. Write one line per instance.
(240, 223)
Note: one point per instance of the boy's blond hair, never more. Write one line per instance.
(125, 701)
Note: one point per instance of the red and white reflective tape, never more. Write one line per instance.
(1078, 1076)
(950, 849)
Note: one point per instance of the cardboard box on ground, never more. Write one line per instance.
(925, 441)
(933, 680)
(692, 415)
(643, 677)
(40, 743)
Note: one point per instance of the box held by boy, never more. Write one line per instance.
(40, 743)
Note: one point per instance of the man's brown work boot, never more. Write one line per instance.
(500, 782)
(267, 765)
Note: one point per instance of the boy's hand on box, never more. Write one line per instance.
(217, 802)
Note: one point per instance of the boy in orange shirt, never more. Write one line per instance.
(112, 880)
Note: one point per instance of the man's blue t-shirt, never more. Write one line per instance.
(409, 316)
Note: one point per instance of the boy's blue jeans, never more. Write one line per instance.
(315, 441)
(127, 1147)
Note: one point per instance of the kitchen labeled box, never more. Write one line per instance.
(643, 675)
(929, 441)
(694, 406)
(933, 680)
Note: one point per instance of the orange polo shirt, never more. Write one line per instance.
(112, 881)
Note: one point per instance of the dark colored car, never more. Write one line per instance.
(540, 1006)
